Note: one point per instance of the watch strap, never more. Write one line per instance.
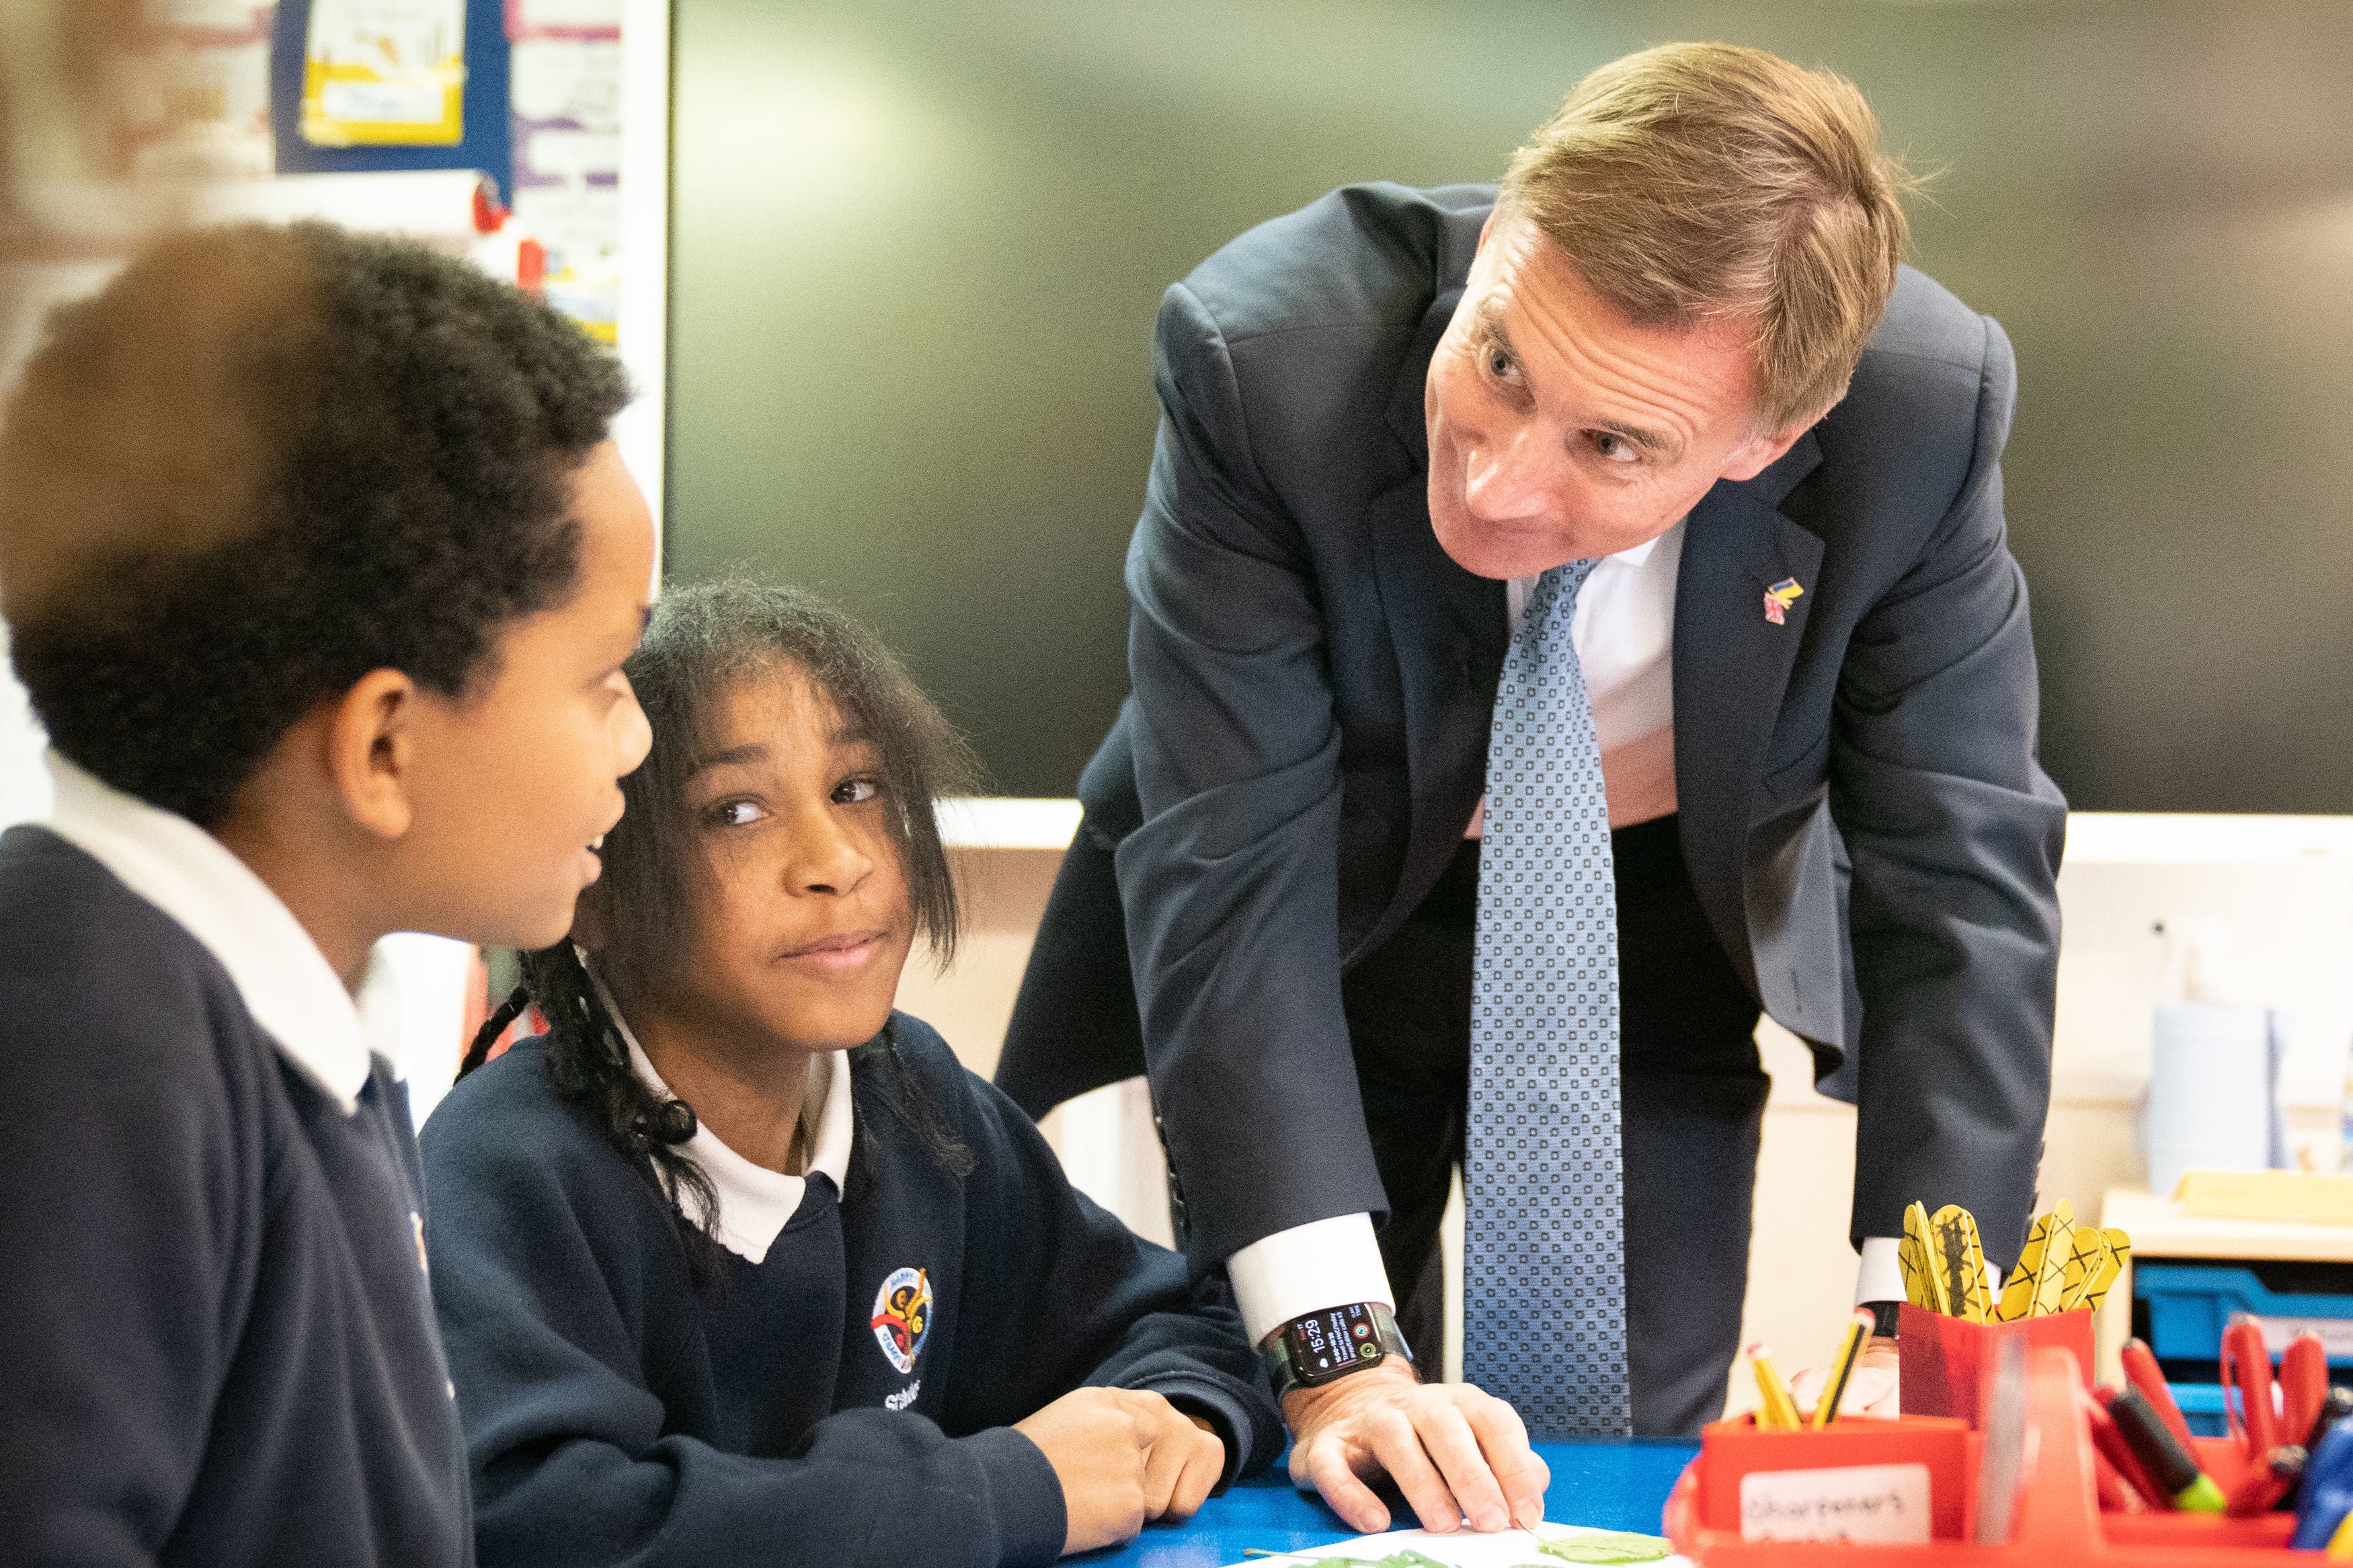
(1276, 1348)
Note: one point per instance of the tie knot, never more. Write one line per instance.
(1571, 574)
(1554, 594)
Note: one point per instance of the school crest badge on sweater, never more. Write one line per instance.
(902, 1317)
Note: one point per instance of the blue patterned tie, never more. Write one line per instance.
(1544, 1276)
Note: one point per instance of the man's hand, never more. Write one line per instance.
(1456, 1453)
(1873, 1389)
(1123, 1456)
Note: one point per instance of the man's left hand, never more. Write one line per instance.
(1457, 1455)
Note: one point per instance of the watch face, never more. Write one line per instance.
(1330, 1344)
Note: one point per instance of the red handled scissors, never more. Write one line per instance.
(2304, 1387)
(2247, 1372)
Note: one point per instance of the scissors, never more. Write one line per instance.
(2304, 1387)
(2247, 1371)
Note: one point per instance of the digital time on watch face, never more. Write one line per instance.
(1330, 1343)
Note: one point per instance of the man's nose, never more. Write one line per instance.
(1504, 480)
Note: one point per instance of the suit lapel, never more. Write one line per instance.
(1732, 666)
(1448, 628)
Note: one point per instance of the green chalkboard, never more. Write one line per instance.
(918, 249)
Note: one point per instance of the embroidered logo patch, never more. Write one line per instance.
(903, 1315)
(1780, 598)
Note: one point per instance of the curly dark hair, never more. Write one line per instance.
(703, 641)
(265, 461)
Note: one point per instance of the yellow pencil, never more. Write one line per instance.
(1850, 1350)
(1778, 1413)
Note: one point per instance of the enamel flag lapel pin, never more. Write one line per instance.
(1778, 598)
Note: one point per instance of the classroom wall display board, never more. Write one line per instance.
(329, 114)
(918, 251)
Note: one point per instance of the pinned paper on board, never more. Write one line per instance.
(385, 73)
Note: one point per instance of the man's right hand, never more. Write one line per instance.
(1123, 1456)
(1456, 1453)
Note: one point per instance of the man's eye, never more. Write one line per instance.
(736, 813)
(1500, 365)
(1614, 447)
(855, 791)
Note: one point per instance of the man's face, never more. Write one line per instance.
(1560, 430)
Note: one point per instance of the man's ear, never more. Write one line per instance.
(1760, 452)
(372, 752)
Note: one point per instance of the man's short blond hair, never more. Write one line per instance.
(1710, 185)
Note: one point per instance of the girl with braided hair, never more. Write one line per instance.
(736, 1264)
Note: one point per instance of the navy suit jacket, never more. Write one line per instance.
(1312, 679)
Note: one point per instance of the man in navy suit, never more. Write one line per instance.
(1678, 344)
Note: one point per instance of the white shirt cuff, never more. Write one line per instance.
(1881, 1277)
(1323, 1263)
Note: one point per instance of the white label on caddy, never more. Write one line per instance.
(1884, 1503)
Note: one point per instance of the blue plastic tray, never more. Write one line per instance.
(2201, 1407)
(2190, 1305)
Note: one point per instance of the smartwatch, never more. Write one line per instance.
(1328, 1345)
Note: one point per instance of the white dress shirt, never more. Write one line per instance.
(1623, 627)
(755, 1202)
(285, 982)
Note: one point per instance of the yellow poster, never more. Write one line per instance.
(385, 73)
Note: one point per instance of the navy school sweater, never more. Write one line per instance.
(615, 1413)
(215, 1341)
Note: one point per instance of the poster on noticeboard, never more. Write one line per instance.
(566, 103)
(385, 73)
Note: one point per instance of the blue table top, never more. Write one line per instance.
(1611, 1485)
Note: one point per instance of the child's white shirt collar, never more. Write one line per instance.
(755, 1202)
(286, 982)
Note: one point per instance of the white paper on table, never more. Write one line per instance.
(1465, 1549)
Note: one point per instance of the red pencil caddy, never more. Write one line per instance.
(1945, 1360)
(1730, 1450)
(2056, 1522)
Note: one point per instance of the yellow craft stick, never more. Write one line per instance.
(2119, 1246)
(2018, 1295)
(2051, 1274)
(1953, 1252)
(1908, 1258)
(2083, 1264)
(1778, 1413)
(1916, 1225)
